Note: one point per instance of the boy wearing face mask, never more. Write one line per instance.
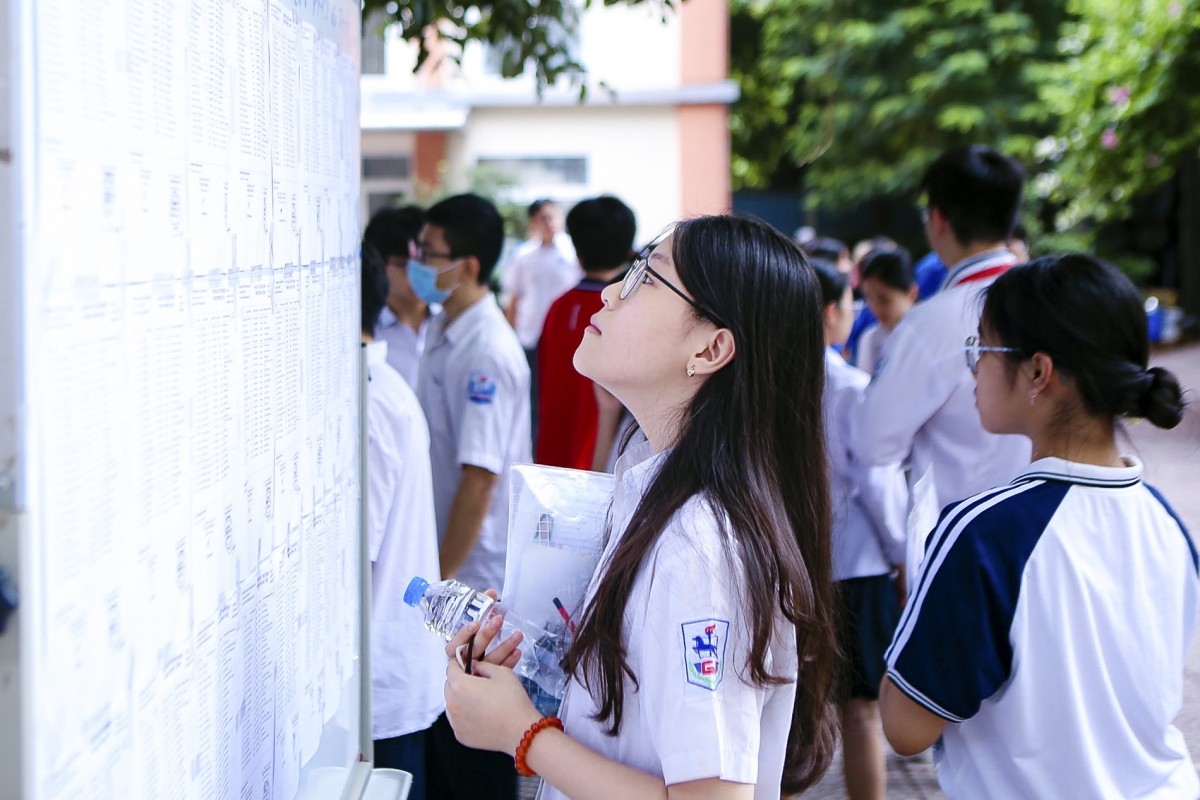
(474, 388)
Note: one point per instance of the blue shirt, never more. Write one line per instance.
(930, 273)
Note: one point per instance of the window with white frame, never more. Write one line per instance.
(542, 172)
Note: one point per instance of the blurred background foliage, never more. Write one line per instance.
(846, 103)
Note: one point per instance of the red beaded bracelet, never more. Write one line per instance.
(527, 740)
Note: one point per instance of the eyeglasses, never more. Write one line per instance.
(421, 254)
(974, 350)
(637, 273)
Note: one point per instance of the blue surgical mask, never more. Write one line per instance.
(423, 279)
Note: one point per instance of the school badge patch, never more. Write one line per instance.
(481, 389)
(704, 652)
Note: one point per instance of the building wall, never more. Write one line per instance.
(630, 153)
(654, 131)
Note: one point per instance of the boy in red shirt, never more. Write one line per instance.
(602, 231)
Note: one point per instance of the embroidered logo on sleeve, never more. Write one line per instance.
(481, 389)
(704, 652)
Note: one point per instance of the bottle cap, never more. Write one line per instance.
(415, 591)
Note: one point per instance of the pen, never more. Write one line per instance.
(562, 612)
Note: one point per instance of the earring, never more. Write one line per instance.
(1032, 398)
(691, 370)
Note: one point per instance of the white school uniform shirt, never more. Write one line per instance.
(1050, 624)
(474, 388)
(408, 667)
(692, 716)
(405, 345)
(869, 504)
(920, 405)
(870, 348)
(539, 275)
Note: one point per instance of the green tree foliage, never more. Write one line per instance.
(527, 33)
(1127, 98)
(1100, 99)
(866, 94)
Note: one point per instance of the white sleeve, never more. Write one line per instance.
(384, 464)
(494, 397)
(867, 357)
(513, 280)
(702, 716)
(909, 386)
(884, 495)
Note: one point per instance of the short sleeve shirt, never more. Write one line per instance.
(538, 275)
(474, 389)
(405, 345)
(869, 504)
(407, 664)
(1050, 623)
(694, 715)
(920, 405)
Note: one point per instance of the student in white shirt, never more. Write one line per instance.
(407, 666)
(715, 581)
(869, 509)
(474, 388)
(890, 290)
(539, 273)
(404, 321)
(1046, 636)
(920, 404)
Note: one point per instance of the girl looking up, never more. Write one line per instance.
(705, 654)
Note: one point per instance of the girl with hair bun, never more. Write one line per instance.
(1045, 636)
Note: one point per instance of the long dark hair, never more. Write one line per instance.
(752, 445)
(1088, 317)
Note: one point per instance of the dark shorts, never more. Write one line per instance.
(868, 614)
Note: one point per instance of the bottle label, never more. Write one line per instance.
(477, 607)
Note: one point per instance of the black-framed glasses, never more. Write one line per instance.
(421, 254)
(974, 350)
(637, 273)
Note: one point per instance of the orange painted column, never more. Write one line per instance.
(429, 154)
(704, 129)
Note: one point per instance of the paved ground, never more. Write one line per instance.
(1172, 460)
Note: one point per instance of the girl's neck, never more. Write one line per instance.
(660, 425)
(1087, 441)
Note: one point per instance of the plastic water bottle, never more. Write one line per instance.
(449, 605)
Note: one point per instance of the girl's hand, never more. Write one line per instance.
(489, 709)
(505, 653)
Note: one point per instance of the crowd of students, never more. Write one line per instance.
(753, 600)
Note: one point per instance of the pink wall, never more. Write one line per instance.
(704, 129)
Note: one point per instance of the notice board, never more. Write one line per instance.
(179, 403)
